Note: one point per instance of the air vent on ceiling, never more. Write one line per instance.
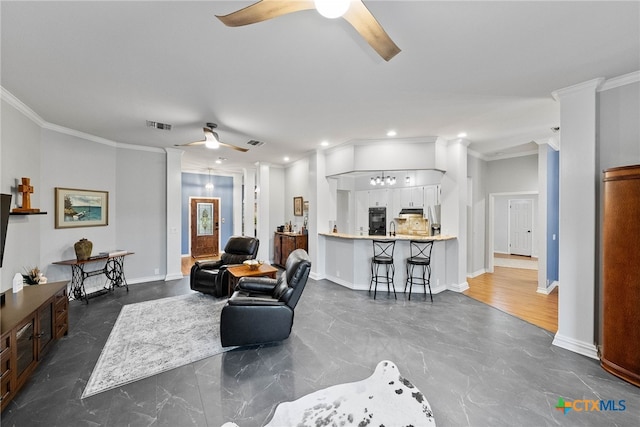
(255, 143)
(158, 125)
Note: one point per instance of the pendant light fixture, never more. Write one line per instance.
(209, 185)
(383, 180)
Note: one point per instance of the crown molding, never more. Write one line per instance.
(12, 100)
(590, 85)
(623, 80)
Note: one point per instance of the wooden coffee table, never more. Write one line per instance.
(239, 271)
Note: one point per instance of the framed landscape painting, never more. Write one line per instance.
(81, 208)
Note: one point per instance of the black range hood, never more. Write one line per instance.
(412, 211)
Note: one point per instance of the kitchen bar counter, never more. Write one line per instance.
(347, 260)
(396, 237)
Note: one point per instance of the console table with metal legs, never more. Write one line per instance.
(113, 269)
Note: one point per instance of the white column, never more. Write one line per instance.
(249, 200)
(578, 179)
(319, 212)
(174, 216)
(541, 232)
(265, 232)
(454, 214)
(237, 204)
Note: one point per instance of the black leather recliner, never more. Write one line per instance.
(210, 277)
(261, 309)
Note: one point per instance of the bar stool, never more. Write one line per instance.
(420, 256)
(383, 255)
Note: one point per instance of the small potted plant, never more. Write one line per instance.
(34, 276)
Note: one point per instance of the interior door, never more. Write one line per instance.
(204, 223)
(520, 223)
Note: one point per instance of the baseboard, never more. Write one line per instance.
(458, 287)
(549, 289)
(580, 347)
(346, 284)
(477, 273)
(175, 276)
(147, 279)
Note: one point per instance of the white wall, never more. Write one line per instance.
(58, 157)
(20, 157)
(517, 174)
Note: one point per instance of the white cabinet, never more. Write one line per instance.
(378, 198)
(411, 197)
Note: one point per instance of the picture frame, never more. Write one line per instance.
(297, 206)
(81, 208)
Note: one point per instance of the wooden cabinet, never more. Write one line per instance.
(31, 320)
(620, 351)
(285, 243)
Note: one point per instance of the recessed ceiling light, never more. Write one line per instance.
(462, 135)
(392, 133)
(324, 143)
(286, 159)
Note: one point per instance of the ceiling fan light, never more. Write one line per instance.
(332, 8)
(212, 142)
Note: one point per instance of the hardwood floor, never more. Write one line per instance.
(513, 290)
(188, 261)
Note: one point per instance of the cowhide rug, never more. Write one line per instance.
(385, 398)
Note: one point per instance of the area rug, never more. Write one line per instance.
(386, 398)
(155, 336)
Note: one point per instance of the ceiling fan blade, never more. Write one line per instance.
(263, 10)
(233, 147)
(370, 29)
(190, 144)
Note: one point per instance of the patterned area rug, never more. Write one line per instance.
(156, 336)
(385, 398)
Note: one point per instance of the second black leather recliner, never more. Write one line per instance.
(210, 277)
(261, 309)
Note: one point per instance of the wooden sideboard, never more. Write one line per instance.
(620, 351)
(284, 243)
(31, 320)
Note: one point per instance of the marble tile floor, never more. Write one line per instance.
(476, 365)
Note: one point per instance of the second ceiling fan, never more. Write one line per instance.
(354, 11)
(211, 140)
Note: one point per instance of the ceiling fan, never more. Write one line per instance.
(354, 11)
(212, 141)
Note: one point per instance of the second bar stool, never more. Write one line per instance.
(383, 255)
(420, 256)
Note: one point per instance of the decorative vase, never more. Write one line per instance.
(83, 249)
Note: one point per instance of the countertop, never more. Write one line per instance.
(396, 237)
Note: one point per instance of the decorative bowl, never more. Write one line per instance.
(253, 264)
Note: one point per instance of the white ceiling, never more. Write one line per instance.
(485, 68)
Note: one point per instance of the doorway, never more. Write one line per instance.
(520, 225)
(204, 220)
